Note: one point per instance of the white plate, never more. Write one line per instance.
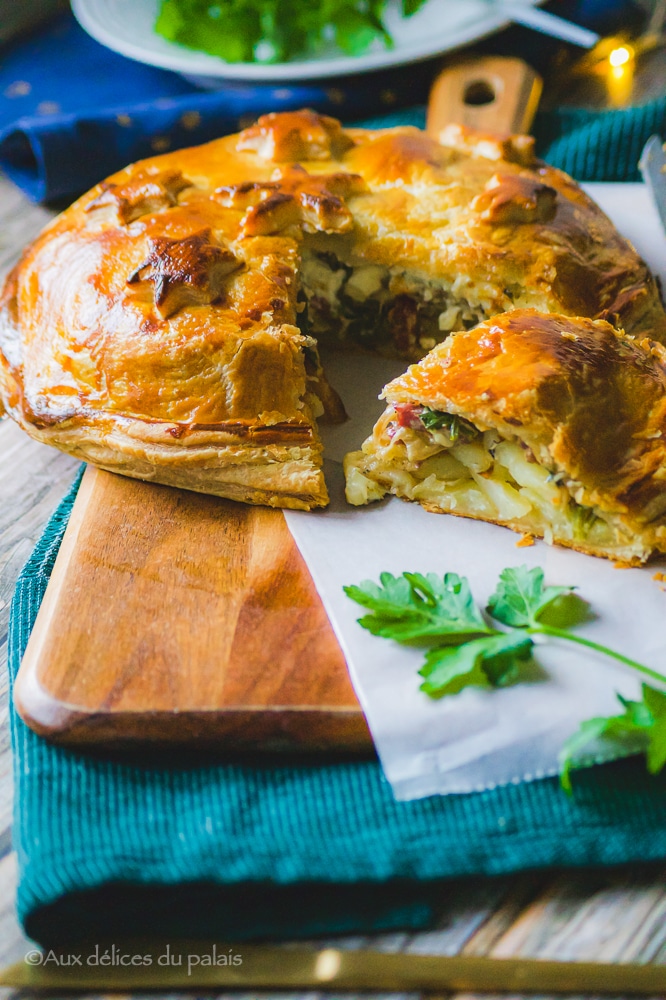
(127, 26)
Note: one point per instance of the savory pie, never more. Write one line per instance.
(166, 325)
(551, 425)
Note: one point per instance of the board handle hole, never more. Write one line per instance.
(479, 92)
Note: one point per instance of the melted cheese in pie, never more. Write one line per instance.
(551, 426)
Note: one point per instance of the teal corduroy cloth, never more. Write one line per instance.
(110, 850)
(590, 146)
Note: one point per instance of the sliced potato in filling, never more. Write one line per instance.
(489, 478)
(532, 450)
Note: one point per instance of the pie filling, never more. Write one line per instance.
(385, 310)
(445, 462)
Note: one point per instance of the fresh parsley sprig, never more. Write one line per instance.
(641, 728)
(413, 608)
(467, 648)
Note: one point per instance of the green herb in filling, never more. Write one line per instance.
(583, 519)
(457, 427)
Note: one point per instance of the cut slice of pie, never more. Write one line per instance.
(553, 426)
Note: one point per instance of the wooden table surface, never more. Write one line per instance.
(608, 915)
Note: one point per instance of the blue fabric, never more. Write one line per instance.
(73, 111)
(108, 849)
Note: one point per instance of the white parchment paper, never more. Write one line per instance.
(477, 739)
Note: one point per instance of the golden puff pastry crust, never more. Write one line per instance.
(166, 325)
(554, 426)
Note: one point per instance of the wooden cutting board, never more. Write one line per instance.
(177, 618)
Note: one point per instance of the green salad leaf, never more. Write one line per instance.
(269, 31)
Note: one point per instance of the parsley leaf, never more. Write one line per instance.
(521, 600)
(655, 702)
(441, 612)
(416, 608)
(493, 659)
(465, 649)
(641, 728)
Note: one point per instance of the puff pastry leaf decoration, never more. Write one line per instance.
(184, 272)
(167, 325)
(298, 135)
(294, 197)
(145, 193)
(515, 198)
(489, 145)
